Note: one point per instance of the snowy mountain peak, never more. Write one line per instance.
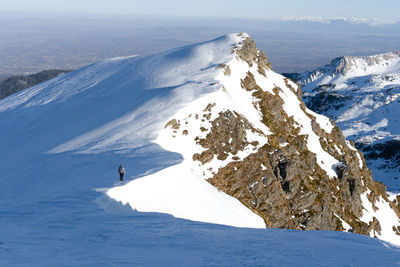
(206, 132)
(350, 66)
(366, 64)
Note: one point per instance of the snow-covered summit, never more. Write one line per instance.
(224, 134)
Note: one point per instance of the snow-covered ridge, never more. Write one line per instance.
(220, 118)
(185, 131)
(231, 96)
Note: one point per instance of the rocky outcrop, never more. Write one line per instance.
(282, 181)
(248, 52)
(227, 136)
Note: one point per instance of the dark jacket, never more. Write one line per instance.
(121, 169)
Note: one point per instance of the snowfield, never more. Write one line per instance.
(61, 144)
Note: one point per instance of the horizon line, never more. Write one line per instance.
(373, 21)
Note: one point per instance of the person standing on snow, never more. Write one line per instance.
(121, 171)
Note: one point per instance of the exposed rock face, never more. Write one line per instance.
(284, 184)
(305, 175)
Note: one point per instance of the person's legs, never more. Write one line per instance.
(121, 176)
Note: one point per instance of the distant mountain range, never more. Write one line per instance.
(361, 94)
(341, 20)
(13, 84)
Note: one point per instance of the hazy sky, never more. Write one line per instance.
(381, 9)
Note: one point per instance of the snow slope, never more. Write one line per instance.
(145, 239)
(362, 95)
(62, 141)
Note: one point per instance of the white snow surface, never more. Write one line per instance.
(179, 191)
(63, 140)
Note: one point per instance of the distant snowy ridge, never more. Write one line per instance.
(352, 20)
(351, 66)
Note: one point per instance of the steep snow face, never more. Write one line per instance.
(362, 95)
